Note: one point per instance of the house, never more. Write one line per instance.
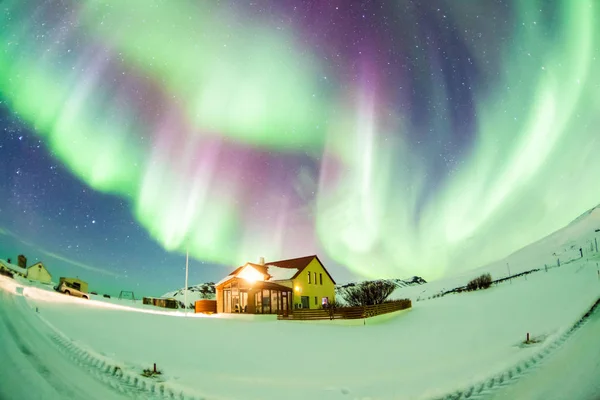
(75, 283)
(276, 287)
(7, 266)
(37, 272)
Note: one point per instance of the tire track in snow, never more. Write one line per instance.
(508, 377)
(109, 372)
(33, 359)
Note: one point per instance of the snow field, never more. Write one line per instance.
(440, 346)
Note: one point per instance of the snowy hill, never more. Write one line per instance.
(197, 292)
(562, 246)
(400, 283)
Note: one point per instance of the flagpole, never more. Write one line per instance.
(186, 282)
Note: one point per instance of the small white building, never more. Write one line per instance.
(12, 268)
(37, 272)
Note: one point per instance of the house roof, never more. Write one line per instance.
(298, 264)
(281, 274)
(278, 270)
(260, 268)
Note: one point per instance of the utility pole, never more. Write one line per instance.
(185, 303)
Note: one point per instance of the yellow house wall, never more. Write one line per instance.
(39, 274)
(312, 289)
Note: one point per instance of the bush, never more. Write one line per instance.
(367, 293)
(481, 282)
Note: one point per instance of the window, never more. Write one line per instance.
(308, 276)
(320, 278)
(315, 300)
(315, 278)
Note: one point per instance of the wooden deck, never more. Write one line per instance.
(347, 312)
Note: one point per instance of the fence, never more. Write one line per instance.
(347, 312)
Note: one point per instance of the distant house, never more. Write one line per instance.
(276, 287)
(37, 272)
(12, 268)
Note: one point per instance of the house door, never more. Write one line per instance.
(243, 302)
(305, 302)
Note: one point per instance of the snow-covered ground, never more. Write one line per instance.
(437, 347)
(572, 372)
(33, 367)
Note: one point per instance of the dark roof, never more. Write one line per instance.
(299, 264)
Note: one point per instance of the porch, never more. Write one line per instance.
(239, 295)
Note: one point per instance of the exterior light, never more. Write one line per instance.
(250, 274)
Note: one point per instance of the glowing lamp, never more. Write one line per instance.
(250, 274)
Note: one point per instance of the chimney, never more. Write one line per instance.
(261, 261)
(22, 261)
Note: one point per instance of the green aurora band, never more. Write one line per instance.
(249, 82)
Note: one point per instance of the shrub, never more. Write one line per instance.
(481, 282)
(367, 293)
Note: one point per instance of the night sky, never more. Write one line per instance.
(391, 138)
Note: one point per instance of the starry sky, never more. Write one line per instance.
(391, 138)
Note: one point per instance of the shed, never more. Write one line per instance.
(76, 283)
(161, 302)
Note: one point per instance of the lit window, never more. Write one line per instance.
(320, 278)
(308, 276)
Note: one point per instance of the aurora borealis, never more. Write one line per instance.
(393, 138)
